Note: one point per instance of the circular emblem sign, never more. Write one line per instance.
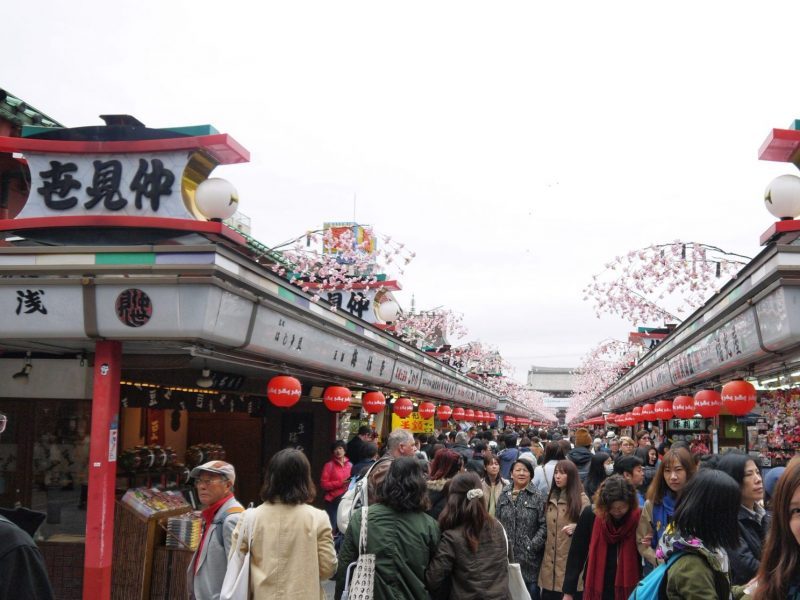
(134, 308)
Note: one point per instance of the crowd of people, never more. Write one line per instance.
(585, 518)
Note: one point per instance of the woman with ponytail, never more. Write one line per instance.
(471, 559)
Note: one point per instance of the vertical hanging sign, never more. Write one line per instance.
(155, 427)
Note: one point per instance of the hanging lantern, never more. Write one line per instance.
(683, 407)
(469, 415)
(373, 402)
(708, 403)
(637, 414)
(492, 418)
(284, 391)
(337, 398)
(663, 410)
(426, 410)
(510, 420)
(649, 412)
(739, 397)
(458, 414)
(403, 407)
(443, 412)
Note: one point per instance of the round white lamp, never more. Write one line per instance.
(782, 197)
(388, 311)
(216, 199)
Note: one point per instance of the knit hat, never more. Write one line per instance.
(582, 438)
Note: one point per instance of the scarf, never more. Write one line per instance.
(604, 534)
(208, 516)
(662, 515)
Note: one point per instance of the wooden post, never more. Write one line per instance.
(102, 471)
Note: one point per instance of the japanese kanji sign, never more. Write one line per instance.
(413, 423)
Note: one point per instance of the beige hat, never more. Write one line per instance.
(216, 466)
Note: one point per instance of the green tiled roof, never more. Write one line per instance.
(21, 113)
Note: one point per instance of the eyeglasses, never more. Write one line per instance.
(206, 481)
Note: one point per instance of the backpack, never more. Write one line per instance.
(354, 498)
(654, 585)
(220, 523)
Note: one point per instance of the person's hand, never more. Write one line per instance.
(567, 597)
(646, 540)
(569, 529)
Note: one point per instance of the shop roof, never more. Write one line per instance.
(21, 113)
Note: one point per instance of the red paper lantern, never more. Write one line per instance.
(336, 398)
(663, 410)
(479, 416)
(492, 417)
(373, 402)
(630, 420)
(458, 414)
(683, 407)
(426, 410)
(443, 412)
(469, 415)
(708, 403)
(649, 412)
(284, 391)
(510, 420)
(637, 414)
(403, 407)
(739, 397)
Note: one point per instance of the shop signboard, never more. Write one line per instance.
(131, 184)
(779, 325)
(33, 309)
(437, 386)
(278, 335)
(413, 423)
(359, 303)
(405, 377)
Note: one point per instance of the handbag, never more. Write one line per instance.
(236, 585)
(360, 575)
(517, 589)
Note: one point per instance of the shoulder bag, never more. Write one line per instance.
(236, 585)
(517, 589)
(360, 575)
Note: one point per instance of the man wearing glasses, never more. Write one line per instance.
(214, 481)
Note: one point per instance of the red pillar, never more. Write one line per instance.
(102, 472)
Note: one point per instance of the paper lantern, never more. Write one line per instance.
(649, 412)
(403, 407)
(663, 410)
(738, 397)
(458, 414)
(373, 402)
(637, 414)
(426, 410)
(707, 403)
(336, 398)
(492, 418)
(469, 415)
(443, 412)
(284, 391)
(510, 420)
(683, 407)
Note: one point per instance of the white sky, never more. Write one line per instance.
(514, 146)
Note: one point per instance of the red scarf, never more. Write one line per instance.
(208, 516)
(604, 534)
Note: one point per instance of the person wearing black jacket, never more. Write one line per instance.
(580, 454)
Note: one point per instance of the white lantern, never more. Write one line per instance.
(782, 197)
(387, 311)
(216, 199)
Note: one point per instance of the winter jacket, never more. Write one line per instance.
(481, 575)
(746, 558)
(582, 457)
(493, 490)
(437, 496)
(648, 526)
(524, 521)
(334, 478)
(204, 579)
(465, 451)
(556, 547)
(403, 545)
(507, 458)
(543, 476)
(23, 574)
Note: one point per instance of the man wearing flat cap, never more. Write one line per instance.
(221, 513)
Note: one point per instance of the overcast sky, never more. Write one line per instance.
(514, 146)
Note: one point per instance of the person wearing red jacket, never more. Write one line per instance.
(335, 479)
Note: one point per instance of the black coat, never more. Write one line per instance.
(745, 559)
(23, 574)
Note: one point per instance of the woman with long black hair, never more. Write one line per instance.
(565, 502)
(472, 554)
(601, 467)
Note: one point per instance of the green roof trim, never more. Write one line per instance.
(29, 130)
(125, 258)
(193, 130)
(20, 113)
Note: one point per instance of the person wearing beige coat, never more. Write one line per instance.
(292, 551)
(560, 526)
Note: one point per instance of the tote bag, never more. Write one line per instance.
(360, 585)
(236, 585)
(517, 590)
